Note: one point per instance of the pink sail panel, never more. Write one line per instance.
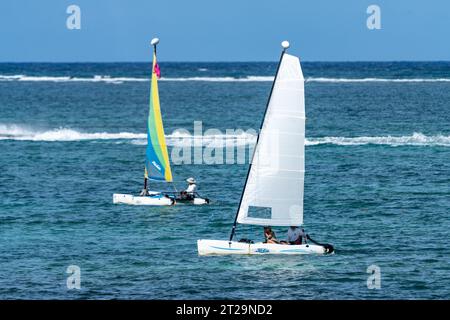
(157, 70)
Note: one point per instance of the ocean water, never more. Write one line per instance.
(377, 184)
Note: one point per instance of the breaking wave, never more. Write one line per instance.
(223, 79)
(416, 139)
(177, 138)
(377, 80)
(15, 132)
(119, 80)
(180, 138)
(96, 78)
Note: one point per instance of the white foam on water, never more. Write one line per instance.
(118, 80)
(96, 78)
(351, 80)
(178, 138)
(416, 139)
(109, 79)
(15, 132)
(222, 79)
(23, 133)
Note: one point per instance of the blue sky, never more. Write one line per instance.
(227, 30)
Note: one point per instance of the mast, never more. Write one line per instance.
(145, 180)
(285, 45)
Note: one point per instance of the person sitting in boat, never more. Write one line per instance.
(190, 191)
(270, 236)
(295, 235)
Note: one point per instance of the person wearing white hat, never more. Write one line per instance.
(295, 235)
(190, 191)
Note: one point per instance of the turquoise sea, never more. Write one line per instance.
(377, 184)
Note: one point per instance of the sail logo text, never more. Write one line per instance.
(156, 165)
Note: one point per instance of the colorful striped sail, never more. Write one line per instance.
(157, 165)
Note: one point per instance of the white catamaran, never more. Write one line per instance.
(275, 178)
(157, 165)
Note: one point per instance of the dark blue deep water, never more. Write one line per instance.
(377, 184)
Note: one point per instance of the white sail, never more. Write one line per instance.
(276, 178)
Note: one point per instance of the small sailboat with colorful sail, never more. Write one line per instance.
(273, 192)
(157, 163)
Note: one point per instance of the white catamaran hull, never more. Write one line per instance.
(200, 201)
(154, 199)
(221, 247)
(195, 201)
